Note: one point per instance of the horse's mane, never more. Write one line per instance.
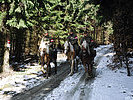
(68, 44)
(71, 46)
(44, 45)
(86, 46)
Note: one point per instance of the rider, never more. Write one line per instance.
(72, 38)
(87, 38)
(46, 36)
(90, 42)
(50, 39)
(52, 45)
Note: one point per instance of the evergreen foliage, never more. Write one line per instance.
(120, 13)
(25, 21)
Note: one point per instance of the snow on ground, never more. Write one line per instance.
(111, 85)
(108, 85)
(65, 87)
(25, 80)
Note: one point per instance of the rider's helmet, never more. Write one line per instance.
(46, 36)
(52, 40)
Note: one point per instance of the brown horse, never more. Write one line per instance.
(87, 58)
(47, 56)
(71, 56)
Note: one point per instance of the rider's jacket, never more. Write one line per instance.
(72, 38)
(87, 38)
(46, 38)
(51, 42)
(91, 44)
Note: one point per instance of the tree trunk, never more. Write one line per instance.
(19, 45)
(127, 65)
(1, 51)
(94, 33)
(6, 66)
(103, 37)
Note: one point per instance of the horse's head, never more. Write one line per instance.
(68, 47)
(84, 44)
(44, 47)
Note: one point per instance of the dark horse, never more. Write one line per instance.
(87, 59)
(47, 55)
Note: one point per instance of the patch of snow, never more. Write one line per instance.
(111, 85)
(108, 85)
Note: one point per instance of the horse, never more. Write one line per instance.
(47, 56)
(87, 58)
(71, 56)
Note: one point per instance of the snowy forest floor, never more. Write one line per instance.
(110, 83)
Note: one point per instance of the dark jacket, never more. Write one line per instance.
(91, 44)
(72, 38)
(87, 38)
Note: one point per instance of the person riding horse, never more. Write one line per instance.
(72, 38)
(90, 47)
(48, 53)
(71, 49)
(51, 41)
(87, 54)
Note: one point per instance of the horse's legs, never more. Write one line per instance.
(42, 64)
(90, 69)
(48, 70)
(76, 65)
(85, 66)
(42, 61)
(72, 67)
(55, 66)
